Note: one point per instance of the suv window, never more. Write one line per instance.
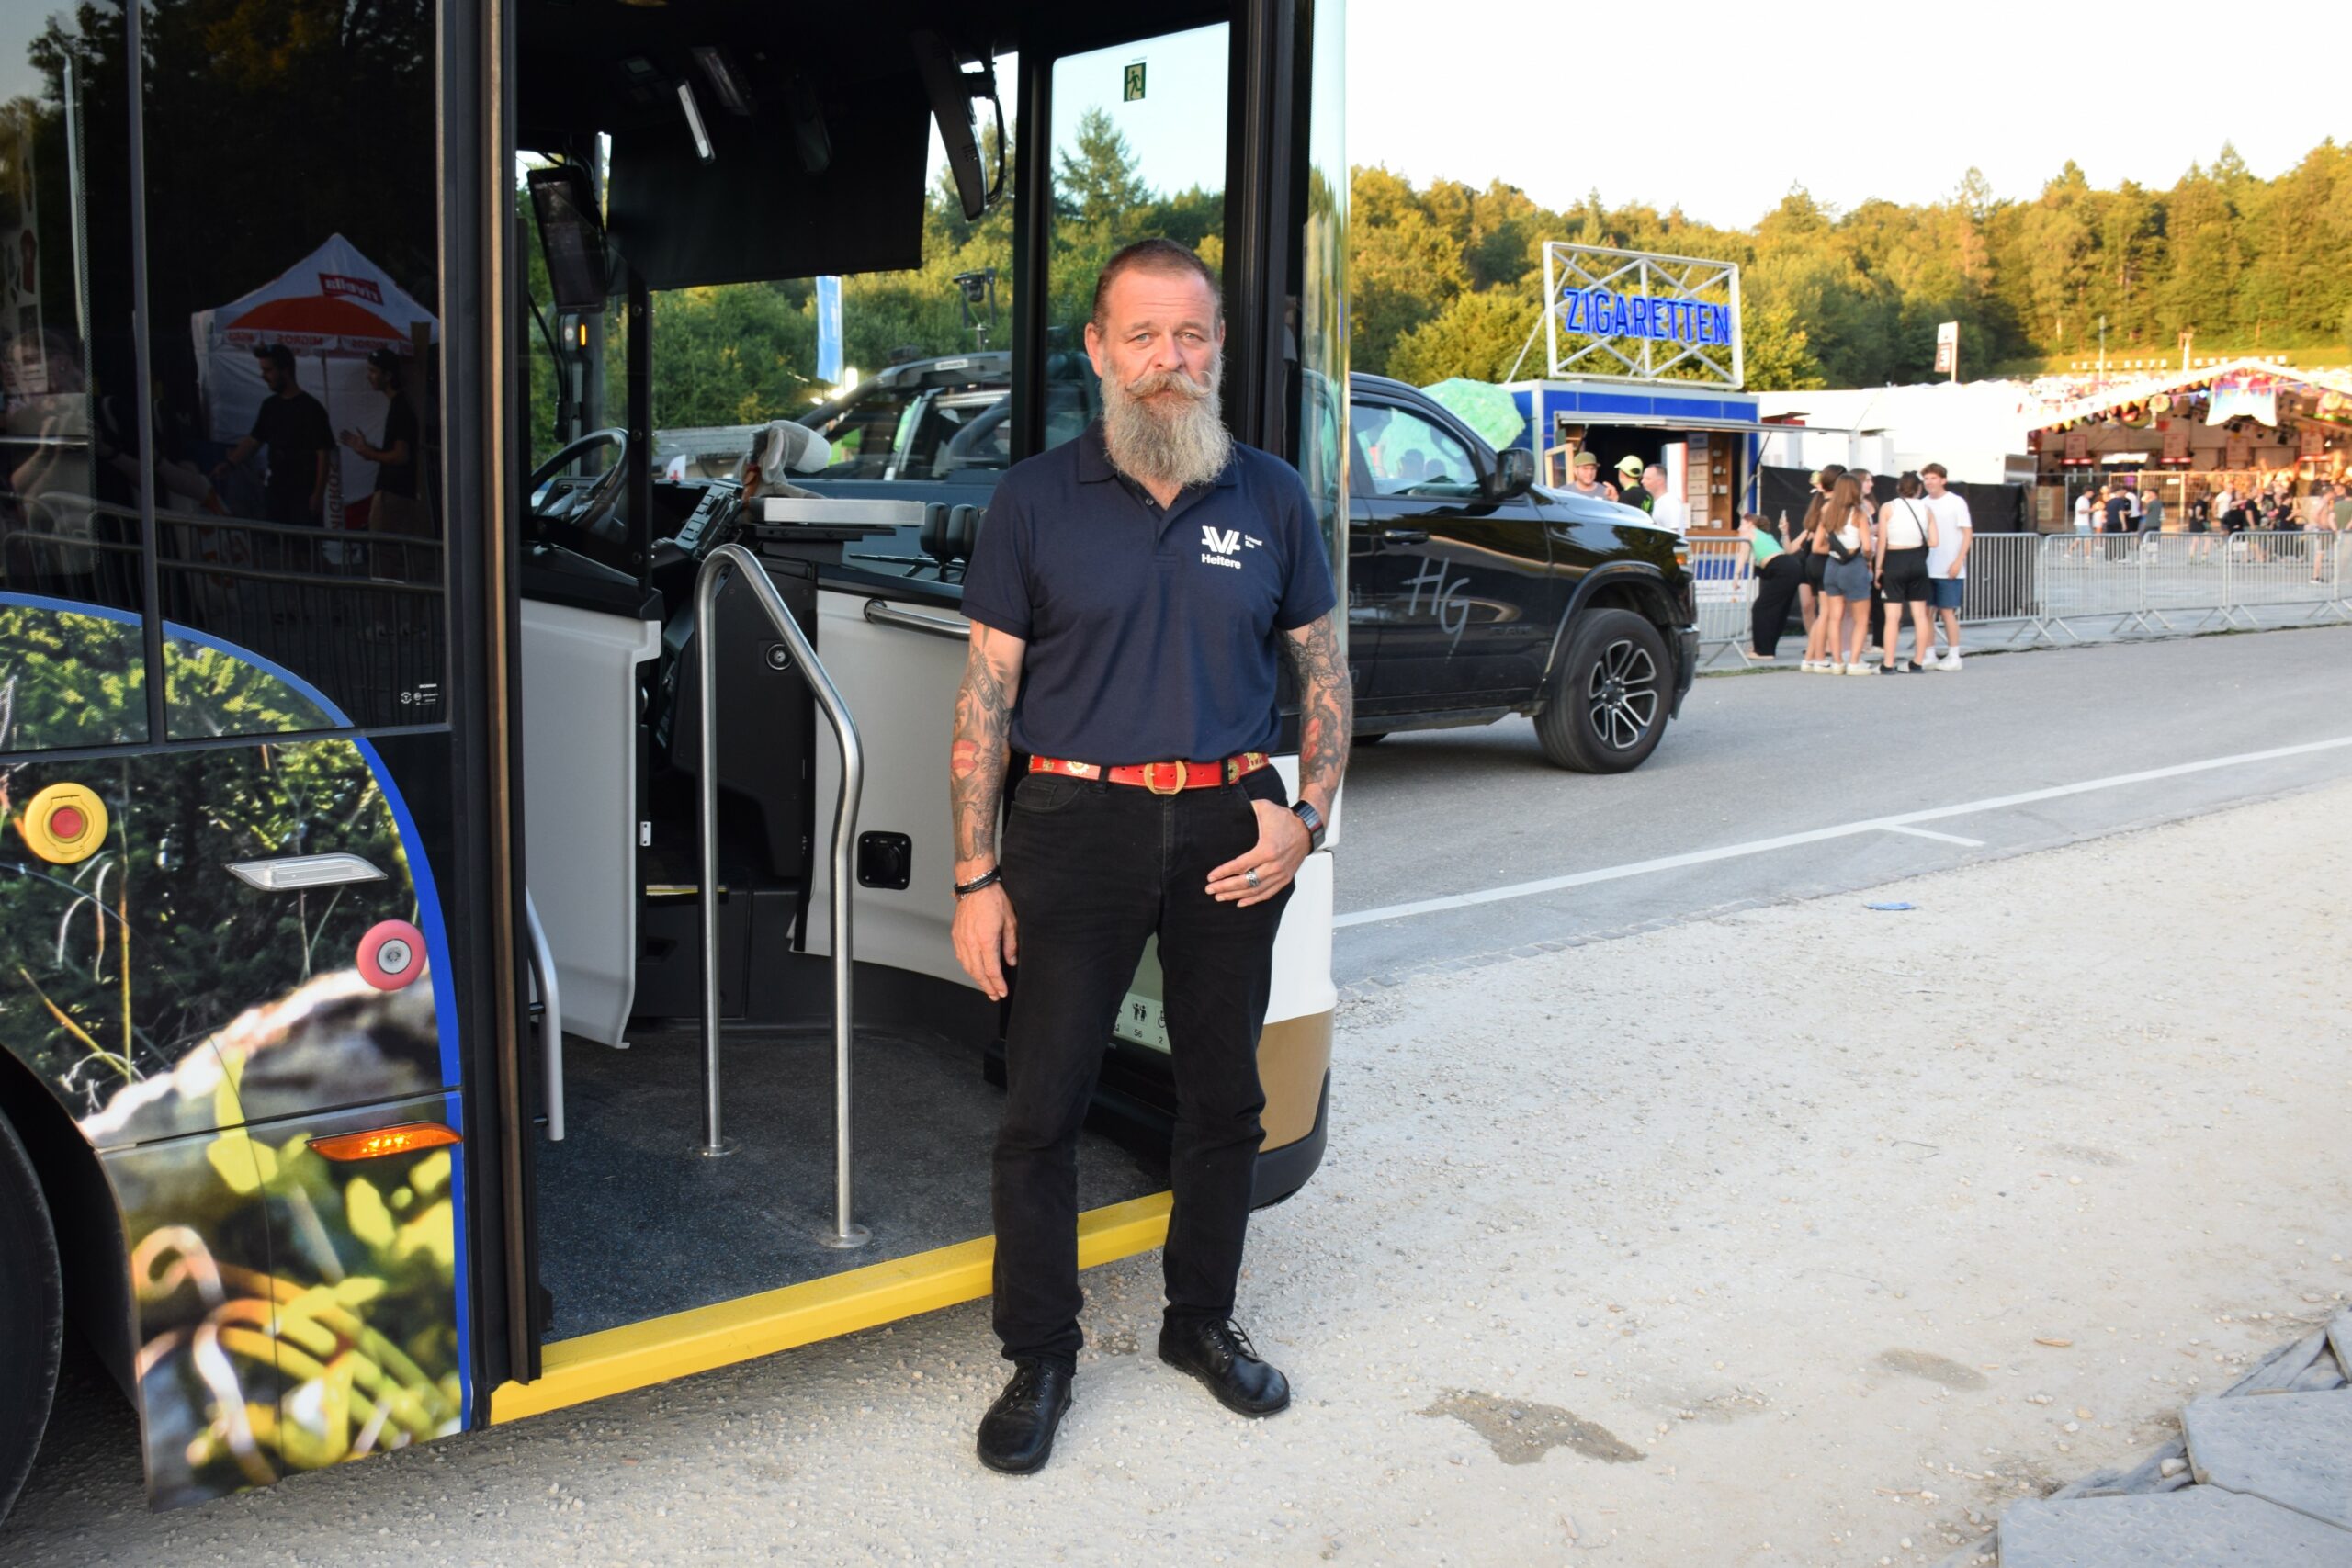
(1405, 453)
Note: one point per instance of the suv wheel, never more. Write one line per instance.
(1606, 704)
(32, 1316)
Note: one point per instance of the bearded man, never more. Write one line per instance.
(1132, 597)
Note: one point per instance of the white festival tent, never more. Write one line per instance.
(331, 308)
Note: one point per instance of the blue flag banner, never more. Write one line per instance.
(829, 329)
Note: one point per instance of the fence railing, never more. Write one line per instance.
(358, 616)
(2024, 588)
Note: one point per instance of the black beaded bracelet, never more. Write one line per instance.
(987, 878)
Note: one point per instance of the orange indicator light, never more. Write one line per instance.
(404, 1139)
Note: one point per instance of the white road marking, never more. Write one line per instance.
(1817, 835)
(1931, 833)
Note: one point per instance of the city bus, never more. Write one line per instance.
(416, 1013)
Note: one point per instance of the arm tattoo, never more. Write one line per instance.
(1326, 709)
(978, 760)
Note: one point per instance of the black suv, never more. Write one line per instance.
(1473, 592)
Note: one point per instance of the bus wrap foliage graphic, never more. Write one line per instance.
(293, 1311)
(69, 680)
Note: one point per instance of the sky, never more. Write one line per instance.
(1706, 106)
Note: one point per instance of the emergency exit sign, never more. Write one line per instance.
(1131, 88)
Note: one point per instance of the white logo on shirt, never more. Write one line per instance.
(1222, 541)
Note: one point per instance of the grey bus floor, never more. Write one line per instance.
(634, 1223)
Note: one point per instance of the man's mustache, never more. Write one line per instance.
(1153, 383)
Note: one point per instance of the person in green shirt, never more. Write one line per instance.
(1779, 574)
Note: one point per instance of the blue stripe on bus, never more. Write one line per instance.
(453, 1113)
(428, 914)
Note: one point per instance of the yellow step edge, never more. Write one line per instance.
(638, 1355)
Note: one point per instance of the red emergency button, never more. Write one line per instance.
(392, 955)
(64, 823)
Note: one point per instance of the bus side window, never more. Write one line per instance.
(72, 647)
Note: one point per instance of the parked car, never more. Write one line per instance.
(1474, 593)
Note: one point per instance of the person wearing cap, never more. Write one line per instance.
(394, 508)
(1585, 467)
(1630, 491)
(1134, 598)
(292, 427)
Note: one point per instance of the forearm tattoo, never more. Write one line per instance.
(1327, 705)
(977, 760)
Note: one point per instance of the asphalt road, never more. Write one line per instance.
(1464, 813)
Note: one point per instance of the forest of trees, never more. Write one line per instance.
(1444, 281)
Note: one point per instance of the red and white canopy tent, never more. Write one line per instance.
(331, 308)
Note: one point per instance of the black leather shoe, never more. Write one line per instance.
(1221, 1356)
(1017, 1434)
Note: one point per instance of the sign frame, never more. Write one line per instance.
(1670, 339)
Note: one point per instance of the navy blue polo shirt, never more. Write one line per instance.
(1153, 634)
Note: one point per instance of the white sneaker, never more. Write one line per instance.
(1952, 661)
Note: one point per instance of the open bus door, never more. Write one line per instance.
(704, 1205)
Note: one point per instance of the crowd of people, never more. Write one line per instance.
(2226, 511)
(1859, 569)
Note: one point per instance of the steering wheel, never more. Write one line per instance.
(575, 507)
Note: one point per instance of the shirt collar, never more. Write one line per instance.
(1094, 465)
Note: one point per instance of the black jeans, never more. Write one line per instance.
(1777, 582)
(1092, 869)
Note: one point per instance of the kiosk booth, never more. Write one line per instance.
(2244, 425)
(1644, 360)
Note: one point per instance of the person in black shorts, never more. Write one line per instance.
(1906, 532)
(1809, 589)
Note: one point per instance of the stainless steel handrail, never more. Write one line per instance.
(550, 1017)
(887, 615)
(845, 1232)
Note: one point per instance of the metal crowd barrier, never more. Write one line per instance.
(359, 615)
(2025, 589)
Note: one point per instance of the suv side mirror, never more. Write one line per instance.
(1513, 474)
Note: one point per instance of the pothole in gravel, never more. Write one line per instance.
(1521, 1431)
(1935, 1369)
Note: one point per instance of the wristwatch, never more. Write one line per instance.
(1313, 819)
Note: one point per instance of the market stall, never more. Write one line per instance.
(2245, 426)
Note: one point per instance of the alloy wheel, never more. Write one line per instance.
(1622, 696)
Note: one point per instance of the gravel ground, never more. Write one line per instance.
(1806, 1235)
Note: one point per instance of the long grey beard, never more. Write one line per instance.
(1190, 446)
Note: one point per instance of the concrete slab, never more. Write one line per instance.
(2199, 1528)
(2294, 1450)
(2339, 1338)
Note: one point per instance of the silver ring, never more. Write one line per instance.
(1250, 876)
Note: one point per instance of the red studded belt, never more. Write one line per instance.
(1160, 778)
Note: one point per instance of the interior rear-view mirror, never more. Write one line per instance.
(1514, 472)
(952, 91)
(572, 237)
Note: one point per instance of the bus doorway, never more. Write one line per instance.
(691, 209)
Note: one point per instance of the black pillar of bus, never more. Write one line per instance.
(150, 601)
(1260, 297)
(484, 405)
(640, 428)
(1032, 229)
